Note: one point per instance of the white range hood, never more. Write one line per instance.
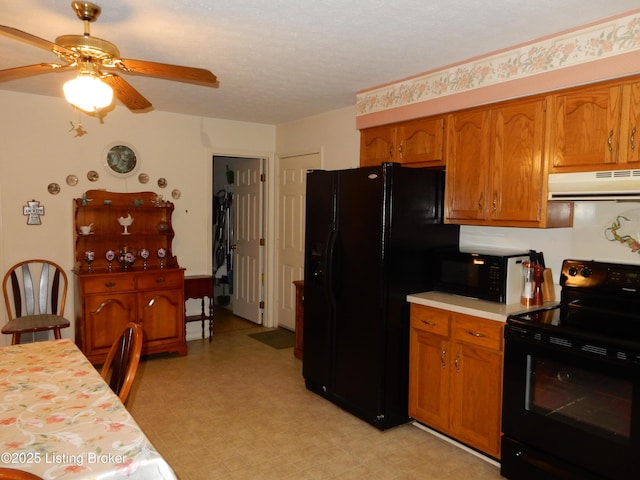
(601, 185)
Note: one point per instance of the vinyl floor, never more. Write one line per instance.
(237, 409)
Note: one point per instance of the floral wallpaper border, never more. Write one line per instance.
(618, 36)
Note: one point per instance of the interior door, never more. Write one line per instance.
(291, 220)
(246, 238)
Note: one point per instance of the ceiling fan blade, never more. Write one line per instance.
(36, 41)
(128, 95)
(198, 76)
(30, 70)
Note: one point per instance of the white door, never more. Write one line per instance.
(292, 184)
(247, 233)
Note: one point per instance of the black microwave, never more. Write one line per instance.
(487, 274)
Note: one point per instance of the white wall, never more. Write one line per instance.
(38, 148)
(589, 239)
(333, 134)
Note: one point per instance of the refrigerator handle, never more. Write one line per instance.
(334, 266)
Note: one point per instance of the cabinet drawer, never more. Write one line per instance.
(109, 283)
(160, 279)
(430, 320)
(478, 331)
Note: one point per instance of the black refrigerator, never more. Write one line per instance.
(371, 237)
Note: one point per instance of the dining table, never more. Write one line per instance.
(60, 420)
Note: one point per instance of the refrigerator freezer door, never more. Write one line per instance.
(319, 236)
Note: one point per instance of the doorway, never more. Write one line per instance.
(238, 235)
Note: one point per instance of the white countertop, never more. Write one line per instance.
(471, 306)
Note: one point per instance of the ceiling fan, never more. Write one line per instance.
(97, 62)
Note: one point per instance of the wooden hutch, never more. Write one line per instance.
(126, 274)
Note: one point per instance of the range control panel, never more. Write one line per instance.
(600, 275)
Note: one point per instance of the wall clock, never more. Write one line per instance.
(121, 160)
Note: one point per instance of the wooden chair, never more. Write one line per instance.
(122, 361)
(14, 474)
(35, 292)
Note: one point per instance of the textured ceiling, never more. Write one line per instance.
(281, 60)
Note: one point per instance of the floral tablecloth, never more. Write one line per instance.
(60, 420)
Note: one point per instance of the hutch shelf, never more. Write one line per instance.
(126, 273)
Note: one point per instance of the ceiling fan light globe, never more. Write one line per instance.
(88, 93)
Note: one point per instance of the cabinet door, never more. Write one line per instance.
(429, 379)
(517, 174)
(585, 129)
(377, 145)
(421, 141)
(105, 317)
(468, 148)
(477, 397)
(630, 128)
(476, 383)
(161, 313)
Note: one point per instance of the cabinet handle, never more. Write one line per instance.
(480, 201)
(457, 362)
(391, 147)
(427, 322)
(610, 141)
(160, 280)
(495, 203)
(633, 139)
(475, 334)
(401, 148)
(109, 284)
(443, 361)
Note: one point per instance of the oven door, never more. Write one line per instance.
(567, 412)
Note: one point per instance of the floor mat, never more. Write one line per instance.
(279, 338)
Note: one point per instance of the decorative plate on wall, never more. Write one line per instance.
(121, 160)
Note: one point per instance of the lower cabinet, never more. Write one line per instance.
(455, 376)
(106, 302)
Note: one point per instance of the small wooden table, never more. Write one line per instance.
(200, 286)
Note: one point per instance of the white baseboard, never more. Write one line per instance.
(457, 444)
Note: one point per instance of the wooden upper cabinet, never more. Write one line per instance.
(377, 145)
(468, 168)
(495, 168)
(421, 141)
(415, 142)
(595, 128)
(517, 162)
(630, 126)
